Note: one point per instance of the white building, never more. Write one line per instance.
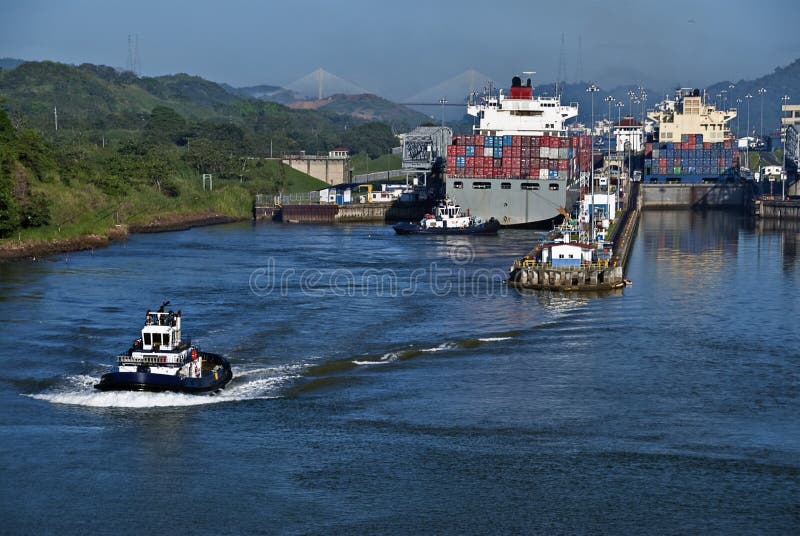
(567, 253)
(629, 130)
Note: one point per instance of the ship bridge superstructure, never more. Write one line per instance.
(161, 331)
(520, 113)
(689, 113)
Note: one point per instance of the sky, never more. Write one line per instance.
(403, 49)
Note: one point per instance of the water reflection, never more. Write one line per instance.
(789, 231)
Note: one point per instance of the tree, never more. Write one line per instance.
(165, 124)
(9, 209)
(36, 211)
(375, 139)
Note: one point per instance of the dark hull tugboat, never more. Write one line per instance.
(448, 219)
(161, 361)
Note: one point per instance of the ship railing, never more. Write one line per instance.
(532, 263)
(126, 359)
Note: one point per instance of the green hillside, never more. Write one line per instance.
(130, 150)
(374, 108)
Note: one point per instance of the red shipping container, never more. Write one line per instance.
(515, 141)
(563, 165)
(706, 145)
(536, 142)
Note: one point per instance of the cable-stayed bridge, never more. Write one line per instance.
(455, 90)
(320, 84)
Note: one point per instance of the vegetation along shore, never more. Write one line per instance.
(89, 154)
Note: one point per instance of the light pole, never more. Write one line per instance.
(644, 105)
(785, 100)
(592, 89)
(443, 101)
(761, 92)
(749, 97)
(609, 99)
(738, 106)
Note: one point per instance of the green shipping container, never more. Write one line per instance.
(676, 170)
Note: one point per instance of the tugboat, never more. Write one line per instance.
(448, 219)
(161, 361)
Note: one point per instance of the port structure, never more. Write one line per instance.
(424, 146)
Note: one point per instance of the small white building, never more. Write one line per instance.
(338, 152)
(567, 253)
(629, 130)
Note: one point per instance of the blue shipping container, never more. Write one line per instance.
(470, 150)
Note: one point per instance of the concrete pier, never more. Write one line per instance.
(527, 273)
(356, 213)
(776, 209)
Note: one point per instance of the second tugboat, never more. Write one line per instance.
(448, 219)
(162, 361)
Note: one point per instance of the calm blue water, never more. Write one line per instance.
(394, 385)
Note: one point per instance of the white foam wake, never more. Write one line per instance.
(388, 357)
(264, 383)
(441, 347)
(493, 339)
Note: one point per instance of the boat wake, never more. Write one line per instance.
(247, 384)
(389, 357)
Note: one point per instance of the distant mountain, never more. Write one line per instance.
(782, 81)
(100, 101)
(263, 92)
(367, 107)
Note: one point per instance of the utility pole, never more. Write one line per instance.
(785, 100)
(592, 89)
(55, 115)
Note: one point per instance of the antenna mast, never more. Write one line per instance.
(561, 79)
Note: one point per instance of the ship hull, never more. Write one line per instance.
(517, 205)
(487, 228)
(143, 380)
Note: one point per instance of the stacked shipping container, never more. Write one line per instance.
(691, 157)
(522, 157)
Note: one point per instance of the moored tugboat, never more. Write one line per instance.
(161, 361)
(448, 219)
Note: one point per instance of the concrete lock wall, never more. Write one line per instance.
(331, 170)
(780, 210)
(692, 195)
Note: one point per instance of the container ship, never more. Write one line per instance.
(691, 142)
(520, 165)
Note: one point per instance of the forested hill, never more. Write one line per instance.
(90, 97)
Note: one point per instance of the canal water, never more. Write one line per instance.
(395, 385)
